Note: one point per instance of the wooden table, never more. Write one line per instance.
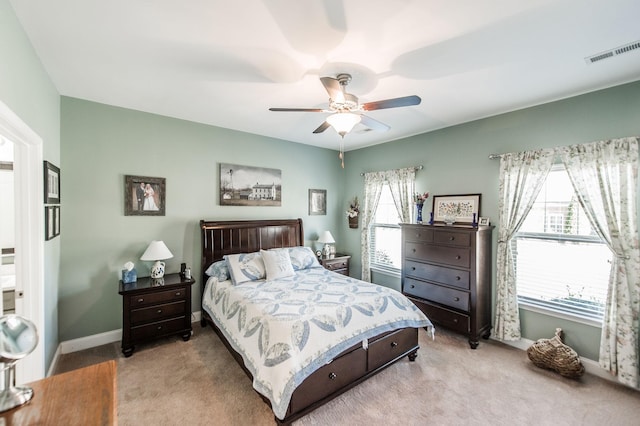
(86, 396)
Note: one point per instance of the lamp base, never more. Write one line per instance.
(14, 397)
(157, 270)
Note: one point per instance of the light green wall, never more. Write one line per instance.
(101, 144)
(455, 162)
(28, 91)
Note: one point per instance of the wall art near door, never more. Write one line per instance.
(51, 222)
(144, 196)
(250, 186)
(51, 184)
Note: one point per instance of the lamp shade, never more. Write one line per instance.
(157, 250)
(326, 238)
(343, 122)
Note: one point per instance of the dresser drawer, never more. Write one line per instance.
(329, 378)
(455, 321)
(439, 254)
(419, 234)
(158, 328)
(174, 294)
(157, 312)
(447, 296)
(391, 346)
(452, 238)
(440, 274)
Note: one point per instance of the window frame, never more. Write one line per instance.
(373, 264)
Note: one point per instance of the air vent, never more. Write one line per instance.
(613, 52)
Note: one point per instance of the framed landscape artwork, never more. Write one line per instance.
(51, 184)
(250, 186)
(144, 196)
(460, 207)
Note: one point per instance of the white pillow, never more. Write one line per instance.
(277, 263)
(219, 270)
(302, 258)
(245, 267)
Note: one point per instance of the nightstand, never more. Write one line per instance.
(153, 308)
(338, 263)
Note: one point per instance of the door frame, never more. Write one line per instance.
(29, 259)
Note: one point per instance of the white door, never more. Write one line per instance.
(29, 234)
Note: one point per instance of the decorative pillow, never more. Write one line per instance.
(245, 267)
(303, 258)
(277, 263)
(219, 270)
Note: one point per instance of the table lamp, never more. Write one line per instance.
(157, 251)
(18, 338)
(327, 239)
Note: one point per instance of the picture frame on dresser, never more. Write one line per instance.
(464, 208)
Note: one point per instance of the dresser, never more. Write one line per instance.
(86, 396)
(153, 308)
(446, 272)
(337, 263)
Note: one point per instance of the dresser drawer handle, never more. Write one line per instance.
(418, 235)
(159, 311)
(451, 238)
(413, 286)
(458, 257)
(178, 293)
(456, 299)
(394, 344)
(455, 320)
(140, 300)
(413, 250)
(413, 268)
(332, 376)
(458, 278)
(159, 327)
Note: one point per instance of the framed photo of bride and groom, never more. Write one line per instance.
(144, 196)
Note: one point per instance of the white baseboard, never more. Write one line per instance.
(94, 340)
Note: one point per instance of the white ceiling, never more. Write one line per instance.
(225, 63)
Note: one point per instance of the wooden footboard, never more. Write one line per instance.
(351, 367)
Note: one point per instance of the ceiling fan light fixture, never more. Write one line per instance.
(343, 122)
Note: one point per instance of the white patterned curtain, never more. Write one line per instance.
(402, 185)
(373, 183)
(522, 175)
(605, 175)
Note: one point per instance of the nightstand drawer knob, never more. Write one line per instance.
(178, 293)
(140, 300)
(159, 311)
(332, 376)
(159, 327)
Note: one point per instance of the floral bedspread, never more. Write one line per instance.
(288, 328)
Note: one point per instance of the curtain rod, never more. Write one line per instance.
(420, 167)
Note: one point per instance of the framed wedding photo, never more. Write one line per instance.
(144, 196)
(51, 184)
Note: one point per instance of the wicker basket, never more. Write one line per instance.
(554, 355)
(353, 221)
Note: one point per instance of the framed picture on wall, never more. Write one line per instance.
(317, 202)
(51, 222)
(144, 196)
(51, 184)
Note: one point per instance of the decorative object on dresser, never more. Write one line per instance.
(483, 221)
(18, 338)
(317, 202)
(456, 208)
(446, 272)
(553, 354)
(327, 239)
(337, 263)
(129, 273)
(150, 311)
(85, 396)
(144, 196)
(157, 251)
(353, 212)
(419, 199)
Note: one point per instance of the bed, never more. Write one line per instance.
(298, 361)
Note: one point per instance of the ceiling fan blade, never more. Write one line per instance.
(334, 89)
(324, 126)
(373, 124)
(297, 109)
(392, 103)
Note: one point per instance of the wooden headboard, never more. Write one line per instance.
(220, 238)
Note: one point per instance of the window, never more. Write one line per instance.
(385, 235)
(561, 264)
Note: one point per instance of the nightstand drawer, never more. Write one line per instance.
(174, 294)
(157, 328)
(332, 265)
(439, 294)
(157, 312)
(439, 274)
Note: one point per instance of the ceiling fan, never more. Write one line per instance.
(343, 104)
(346, 110)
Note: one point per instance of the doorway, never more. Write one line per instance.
(28, 251)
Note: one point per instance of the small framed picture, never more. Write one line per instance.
(51, 184)
(51, 222)
(483, 221)
(144, 196)
(317, 202)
